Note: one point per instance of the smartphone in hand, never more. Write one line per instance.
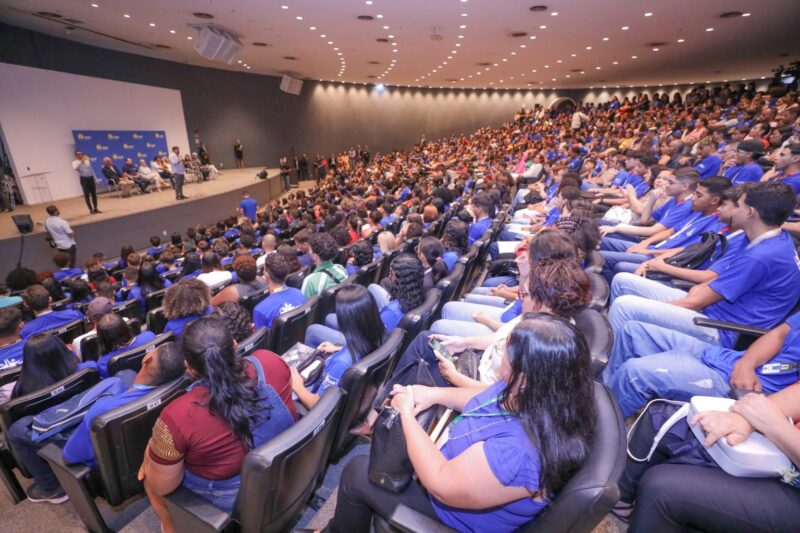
(439, 348)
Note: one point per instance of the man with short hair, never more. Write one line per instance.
(37, 299)
(61, 233)
(301, 240)
(709, 164)
(787, 166)
(269, 244)
(281, 299)
(480, 208)
(178, 172)
(758, 287)
(83, 166)
(248, 206)
(746, 168)
(114, 176)
(62, 260)
(159, 366)
(10, 340)
(326, 274)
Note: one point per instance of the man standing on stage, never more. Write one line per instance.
(61, 232)
(83, 166)
(178, 172)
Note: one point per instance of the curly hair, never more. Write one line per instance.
(245, 268)
(362, 253)
(408, 274)
(324, 246)
(561, 286)
(236, 319)
(188, 297)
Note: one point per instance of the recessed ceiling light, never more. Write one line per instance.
(464, 15)
(172, 31)
(534, 70)
(394, 51)
(634, 57)
(386, 27)
(709, 29)
(152, 24)
(532, 37)
(543, 27)
(605, 38)
(615, 62)
(597, 68)
(547, 66)
(655, 49)
(648, 14)
(284, 7)
(463, 26)
(368, 2)
(312, 28)
(559, 61)
(505, 60)
(379, 16)
(95, 5)
(554, 14)
(745, 14)
(588, 47)
(523, 46)
(299, 17)
(189, 38)
(460, 36)
(681, 40)
(625, 28)
(458, 44)
(573, 55)
(330, 42)
(390, 36)
(126, 16)
(513, 53)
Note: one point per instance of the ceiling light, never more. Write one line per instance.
(605, 38)
(463, 26)
(240, 61)
(547, 66)
(336, 49)
(597, 68)
(615, 62)
(449, 57)
(634, 57)
(655, 49)
(559, 61)
(513, 53)
(709, 29)
(394, 51)
(322, 35)
(390, 36)
(745, 14)
(532, 37)
(126, 16)
(523, 46)
(458, 44)
(299, 17)
(567, 76)
(284, 7)
(190, 38)
(542, 27)
(464, 15)
(386, 27)
(681, 40)
(152, 24)
(534, 70)
(312, 28)
(379, 16)
(172, 31)
(648, 14)
(625, 28)
(330, 42)
(95, 5)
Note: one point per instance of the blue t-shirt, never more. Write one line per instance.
(11, 355)
(176, 325)
(512, 457)
(277, 304)
(736, 243)
(335, 367)
(724, 359)
(450, 259)
(620, 179)
(792, 181)
(677, 214)
(142, 338)
(511, 312)
(690, 232)
(51, 320)
(709, 166)
(155, 250)
(249, 207)
(659, 212)
(391, 315)
(744, 173)
(78, 448)
(477, 229)
(760, 286)
(65, 273)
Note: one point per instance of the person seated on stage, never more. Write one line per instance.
(156, 246)
(114, 336)
(200, 440)
(159, 366)
(150, 175)
(187, 300)
(115, 177)
(131, 171)
(158, 166)
(38, 300)
(61, 260)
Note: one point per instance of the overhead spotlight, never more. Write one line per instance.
(625, 28)
(709, 29)
(648, 14)
(681, 40)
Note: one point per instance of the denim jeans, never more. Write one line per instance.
(457, 319)
(496, 281)
(634, 285)
(316, 334)
(483, 298)
(221, 493)
(674, 374)
(614, 260)
(381, 295)
(19, 436)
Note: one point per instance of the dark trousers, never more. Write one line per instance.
(89, 192)
(19, 436)
(73, 253)
(677, 497)
(359, 499)
(177, 184)
(285, 181)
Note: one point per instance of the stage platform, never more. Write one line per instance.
(132, 220)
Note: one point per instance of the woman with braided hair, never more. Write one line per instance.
(234, 405)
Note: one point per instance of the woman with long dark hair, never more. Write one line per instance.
(191, 266)
(114, 336)
(455, 242)
(361, 327)
(148, 282)
(430, 251)
(45, 360)
(515, 445)
(235, 405)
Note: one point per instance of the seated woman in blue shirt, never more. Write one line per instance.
(149, 282)
(489, 475)
(455, 242)
(363, 330)
(114, 336)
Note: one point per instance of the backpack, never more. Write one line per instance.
(71, 412)
(697, 254)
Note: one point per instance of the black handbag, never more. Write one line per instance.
(695, 255)
(467, 363)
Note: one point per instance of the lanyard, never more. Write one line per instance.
(472, 413)
(763, 237)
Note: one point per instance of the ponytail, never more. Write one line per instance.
(439, 270)
(209, 351)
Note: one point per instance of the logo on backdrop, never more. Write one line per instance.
(137, 145)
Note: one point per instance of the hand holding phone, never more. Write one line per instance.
(439, 348)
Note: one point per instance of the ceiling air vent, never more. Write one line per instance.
(204, 16)
(382, 40)
(366, 17)
(290, 58)
(518, 34)
(538, 9)
(730, 14)
(260, 44)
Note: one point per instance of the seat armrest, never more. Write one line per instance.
(191, 513)
(55, 458)
(730, 326)
(408, 520)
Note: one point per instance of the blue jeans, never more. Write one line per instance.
(484, 298)
(19, 436)
(496, 281)
(457, 319)
(316, 334)
(221, 493)
(634, 285)
(674, 374)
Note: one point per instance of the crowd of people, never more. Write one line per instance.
(629, 189)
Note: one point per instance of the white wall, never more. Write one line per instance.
(40, 108)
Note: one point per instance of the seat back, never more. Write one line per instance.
(368, 274)
(119, 438)
(596, 262)
(469, 261)
(600, 291)
(69, 331)
(360, 383)
(327, 299)
(295, 279)
(155, 299)
(597, 331)
(156, 321)
(387, 263)
(290, 327)
(259, 340)
(593, 490)
(10, 375)
(132, 359)
(280, 476)
(130, 309)
(419, 319)
(250, 302)
(449, 284)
